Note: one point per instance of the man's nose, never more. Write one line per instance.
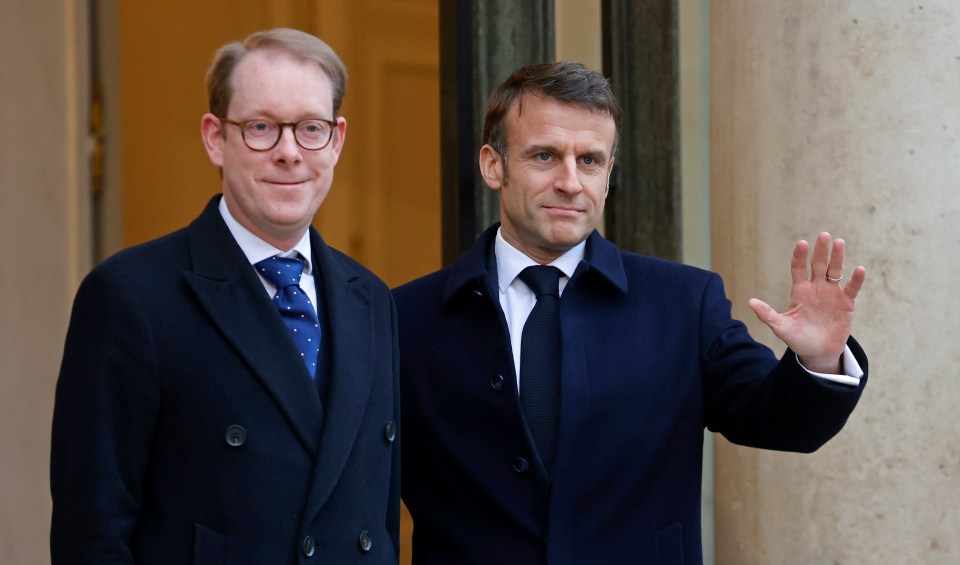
(568, 179)
(287, 148)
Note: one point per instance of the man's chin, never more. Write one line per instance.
(565, 239)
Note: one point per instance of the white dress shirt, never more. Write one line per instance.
(257, 250)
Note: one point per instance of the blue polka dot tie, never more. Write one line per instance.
(540, 361)
(294, 306)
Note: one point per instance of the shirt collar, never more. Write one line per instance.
(510, 261)
(256, 249)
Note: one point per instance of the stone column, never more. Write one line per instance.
(46, 235)
(843, 116)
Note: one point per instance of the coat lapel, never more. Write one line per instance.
(602, 265)
(230, 292)
(346, 298)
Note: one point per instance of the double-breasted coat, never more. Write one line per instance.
(187, 428)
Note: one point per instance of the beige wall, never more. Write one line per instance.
(45, 233)
(842, 116)
(578, 28)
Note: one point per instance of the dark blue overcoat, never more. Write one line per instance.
(187, 428)
(651, 358)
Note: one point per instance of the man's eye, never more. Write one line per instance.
(259, 127)
(543, 156)
(589, 161)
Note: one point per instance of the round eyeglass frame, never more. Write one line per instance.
(280, 125)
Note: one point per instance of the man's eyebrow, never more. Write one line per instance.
(598, 154)
(595, 153)
(540, 149)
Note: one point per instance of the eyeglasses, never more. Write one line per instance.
(262, 134)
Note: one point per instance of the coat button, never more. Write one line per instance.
(236, 435)
(308, 546)
(521, 465)
(390, 431)
(365, 541)
(496, 382)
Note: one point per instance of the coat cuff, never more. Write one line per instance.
(851, 368)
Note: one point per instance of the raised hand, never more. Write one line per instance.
(817, 323)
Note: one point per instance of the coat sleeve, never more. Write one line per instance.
(756, 400)
(104, 418)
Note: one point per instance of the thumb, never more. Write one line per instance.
(764, 312)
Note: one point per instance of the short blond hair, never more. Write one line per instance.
(299, 44)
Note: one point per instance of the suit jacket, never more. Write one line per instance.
(187, 428)
(651, 357)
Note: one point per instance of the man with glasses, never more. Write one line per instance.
(228, 393)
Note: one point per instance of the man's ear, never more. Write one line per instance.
(609, 172)
(339, 136)
(212, 137)
(491, 167)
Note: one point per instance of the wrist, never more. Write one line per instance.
(828, 365)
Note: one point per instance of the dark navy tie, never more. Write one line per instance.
(540, 360)
(294, 305)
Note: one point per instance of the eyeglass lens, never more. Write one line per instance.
(261, 135)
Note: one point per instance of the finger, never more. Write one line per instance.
(857, 279)
(798, 264)
(821, 252)
(764, 312)
(835, 267)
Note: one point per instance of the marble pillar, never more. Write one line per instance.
(843, 116)
(45, 235)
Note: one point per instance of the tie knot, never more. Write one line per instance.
(542, 279)
(281, 271)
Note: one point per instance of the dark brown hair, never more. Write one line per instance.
(566, 82)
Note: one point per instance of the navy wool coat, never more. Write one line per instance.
(187, 428)
(651, 357)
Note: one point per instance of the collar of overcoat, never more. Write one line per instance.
(476, 269)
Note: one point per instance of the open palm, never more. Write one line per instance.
(817, 323)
